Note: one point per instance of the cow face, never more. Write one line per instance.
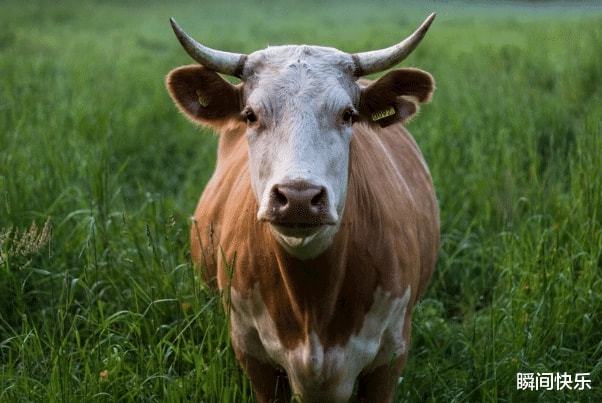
(297, 105)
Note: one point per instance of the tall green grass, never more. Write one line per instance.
(107, 307)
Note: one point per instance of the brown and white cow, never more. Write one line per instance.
(320, 222)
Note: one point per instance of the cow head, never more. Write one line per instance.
(298, 105)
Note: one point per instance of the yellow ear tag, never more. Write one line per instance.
(202, 99)
(383, 114)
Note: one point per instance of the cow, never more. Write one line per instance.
(320, 224)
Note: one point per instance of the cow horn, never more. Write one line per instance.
(382, 59)
(216, 60)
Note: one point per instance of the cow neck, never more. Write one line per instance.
(314, 286)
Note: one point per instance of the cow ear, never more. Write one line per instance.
(395, 97)
(203, 95)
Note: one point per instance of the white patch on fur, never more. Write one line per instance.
(314, 373)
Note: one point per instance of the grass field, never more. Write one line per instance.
(99, 174)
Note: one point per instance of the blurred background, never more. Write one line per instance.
(99, 174)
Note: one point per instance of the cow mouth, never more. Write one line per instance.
(296, 225)
(295, 236)
(298, 230)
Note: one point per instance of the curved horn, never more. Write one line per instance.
(382, 59)
(216, 60)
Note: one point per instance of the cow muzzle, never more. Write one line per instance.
(298, 208)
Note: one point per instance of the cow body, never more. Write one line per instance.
(328, 320)
(320, 224)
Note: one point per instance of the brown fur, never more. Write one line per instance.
(388, 238)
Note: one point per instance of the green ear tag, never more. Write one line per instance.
(202, 99)
(383, 114)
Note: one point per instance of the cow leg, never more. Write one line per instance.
(379, 385)
(269, 384)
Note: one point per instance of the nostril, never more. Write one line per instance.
(279, 197)
(318, 199)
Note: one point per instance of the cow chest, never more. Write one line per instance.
(316, 370)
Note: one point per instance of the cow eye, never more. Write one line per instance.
(250, 115)
(348, 115)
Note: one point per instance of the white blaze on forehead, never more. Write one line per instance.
(288, 82)
(315, 372)
(306, 78)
